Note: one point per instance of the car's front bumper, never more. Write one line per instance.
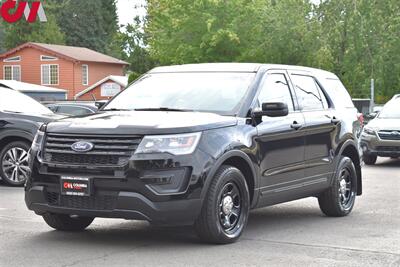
(373, 145)
(126, 205)
(162, 189)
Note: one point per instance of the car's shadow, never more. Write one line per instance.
(136, 233)
(386, 162)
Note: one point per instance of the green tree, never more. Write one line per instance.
(90, 23)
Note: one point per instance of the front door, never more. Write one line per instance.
(280, 142)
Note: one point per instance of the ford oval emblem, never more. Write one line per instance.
(82, 146)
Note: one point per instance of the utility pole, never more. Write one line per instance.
(372, 101)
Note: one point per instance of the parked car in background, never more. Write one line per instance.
(381, 136)
(73, 108)
(201, 145)
(20, 118)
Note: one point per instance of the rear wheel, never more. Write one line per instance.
(226, 208)
(369, 159)
(14, 168)
(64, 222)
(339, 200)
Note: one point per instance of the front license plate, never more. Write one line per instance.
(75, 186)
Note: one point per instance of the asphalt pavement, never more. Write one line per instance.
(291, 234)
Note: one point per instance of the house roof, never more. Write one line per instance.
(73, 53)
(121, 80)
(28, 87)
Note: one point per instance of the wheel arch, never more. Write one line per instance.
(349, 149)
(243, 162)
(12, 136)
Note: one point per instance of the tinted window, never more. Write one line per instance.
(275, 88)
(72, 110)
(217, 92)
(14, 101)
(307, 92)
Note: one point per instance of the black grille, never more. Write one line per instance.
(389, 135)
(77, 202)
(388, 148)
(107, 150)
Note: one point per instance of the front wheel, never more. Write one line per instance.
(14, 168)
(64, 222)
(226, 208)
(339, 200)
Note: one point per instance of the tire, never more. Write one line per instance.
(64, 222)
(14, 167)
(369, 159)
(225, 209)
(338, 201)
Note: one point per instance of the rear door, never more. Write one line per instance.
(321, 124)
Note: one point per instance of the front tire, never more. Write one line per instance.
(338, 201)
(14, 167)
(369, 159)
(225, 209)
(64, 222)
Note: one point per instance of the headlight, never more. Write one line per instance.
(369, 131)
(179, 144)
(38, 141)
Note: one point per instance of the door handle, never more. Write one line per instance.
(335, 121)
(295, 125)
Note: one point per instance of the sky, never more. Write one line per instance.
(127, 10)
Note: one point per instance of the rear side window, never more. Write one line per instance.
(338, 93)
(309, 95)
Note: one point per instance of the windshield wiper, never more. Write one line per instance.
(163, 109)
(115, 109)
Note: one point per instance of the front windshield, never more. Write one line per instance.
(391, 110)
(13, 101)
(219, 92)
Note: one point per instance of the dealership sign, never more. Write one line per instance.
(12, 11)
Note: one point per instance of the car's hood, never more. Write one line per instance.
(141, 122)
(40, 118)
(385, 124)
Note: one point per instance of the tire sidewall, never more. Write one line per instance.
(15, 144)
(348, 164)
(235, 176)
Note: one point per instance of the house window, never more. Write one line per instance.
(49, 74)
(47, 58)
(12, 59)
(12, 72)
(85, 74)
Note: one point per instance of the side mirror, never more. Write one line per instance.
(372, 115)
(273, 109)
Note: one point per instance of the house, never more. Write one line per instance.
(65, 67)
(38, 92)
(105, 88)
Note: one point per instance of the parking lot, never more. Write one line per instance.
(289, 234)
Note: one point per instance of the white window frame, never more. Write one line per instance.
(12, 72)
(49, 58)
(13, 59)
(87, 75)
(58, 74)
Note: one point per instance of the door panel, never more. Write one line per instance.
(280, 142)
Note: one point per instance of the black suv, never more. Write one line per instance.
(201, 144)
(20, 118)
